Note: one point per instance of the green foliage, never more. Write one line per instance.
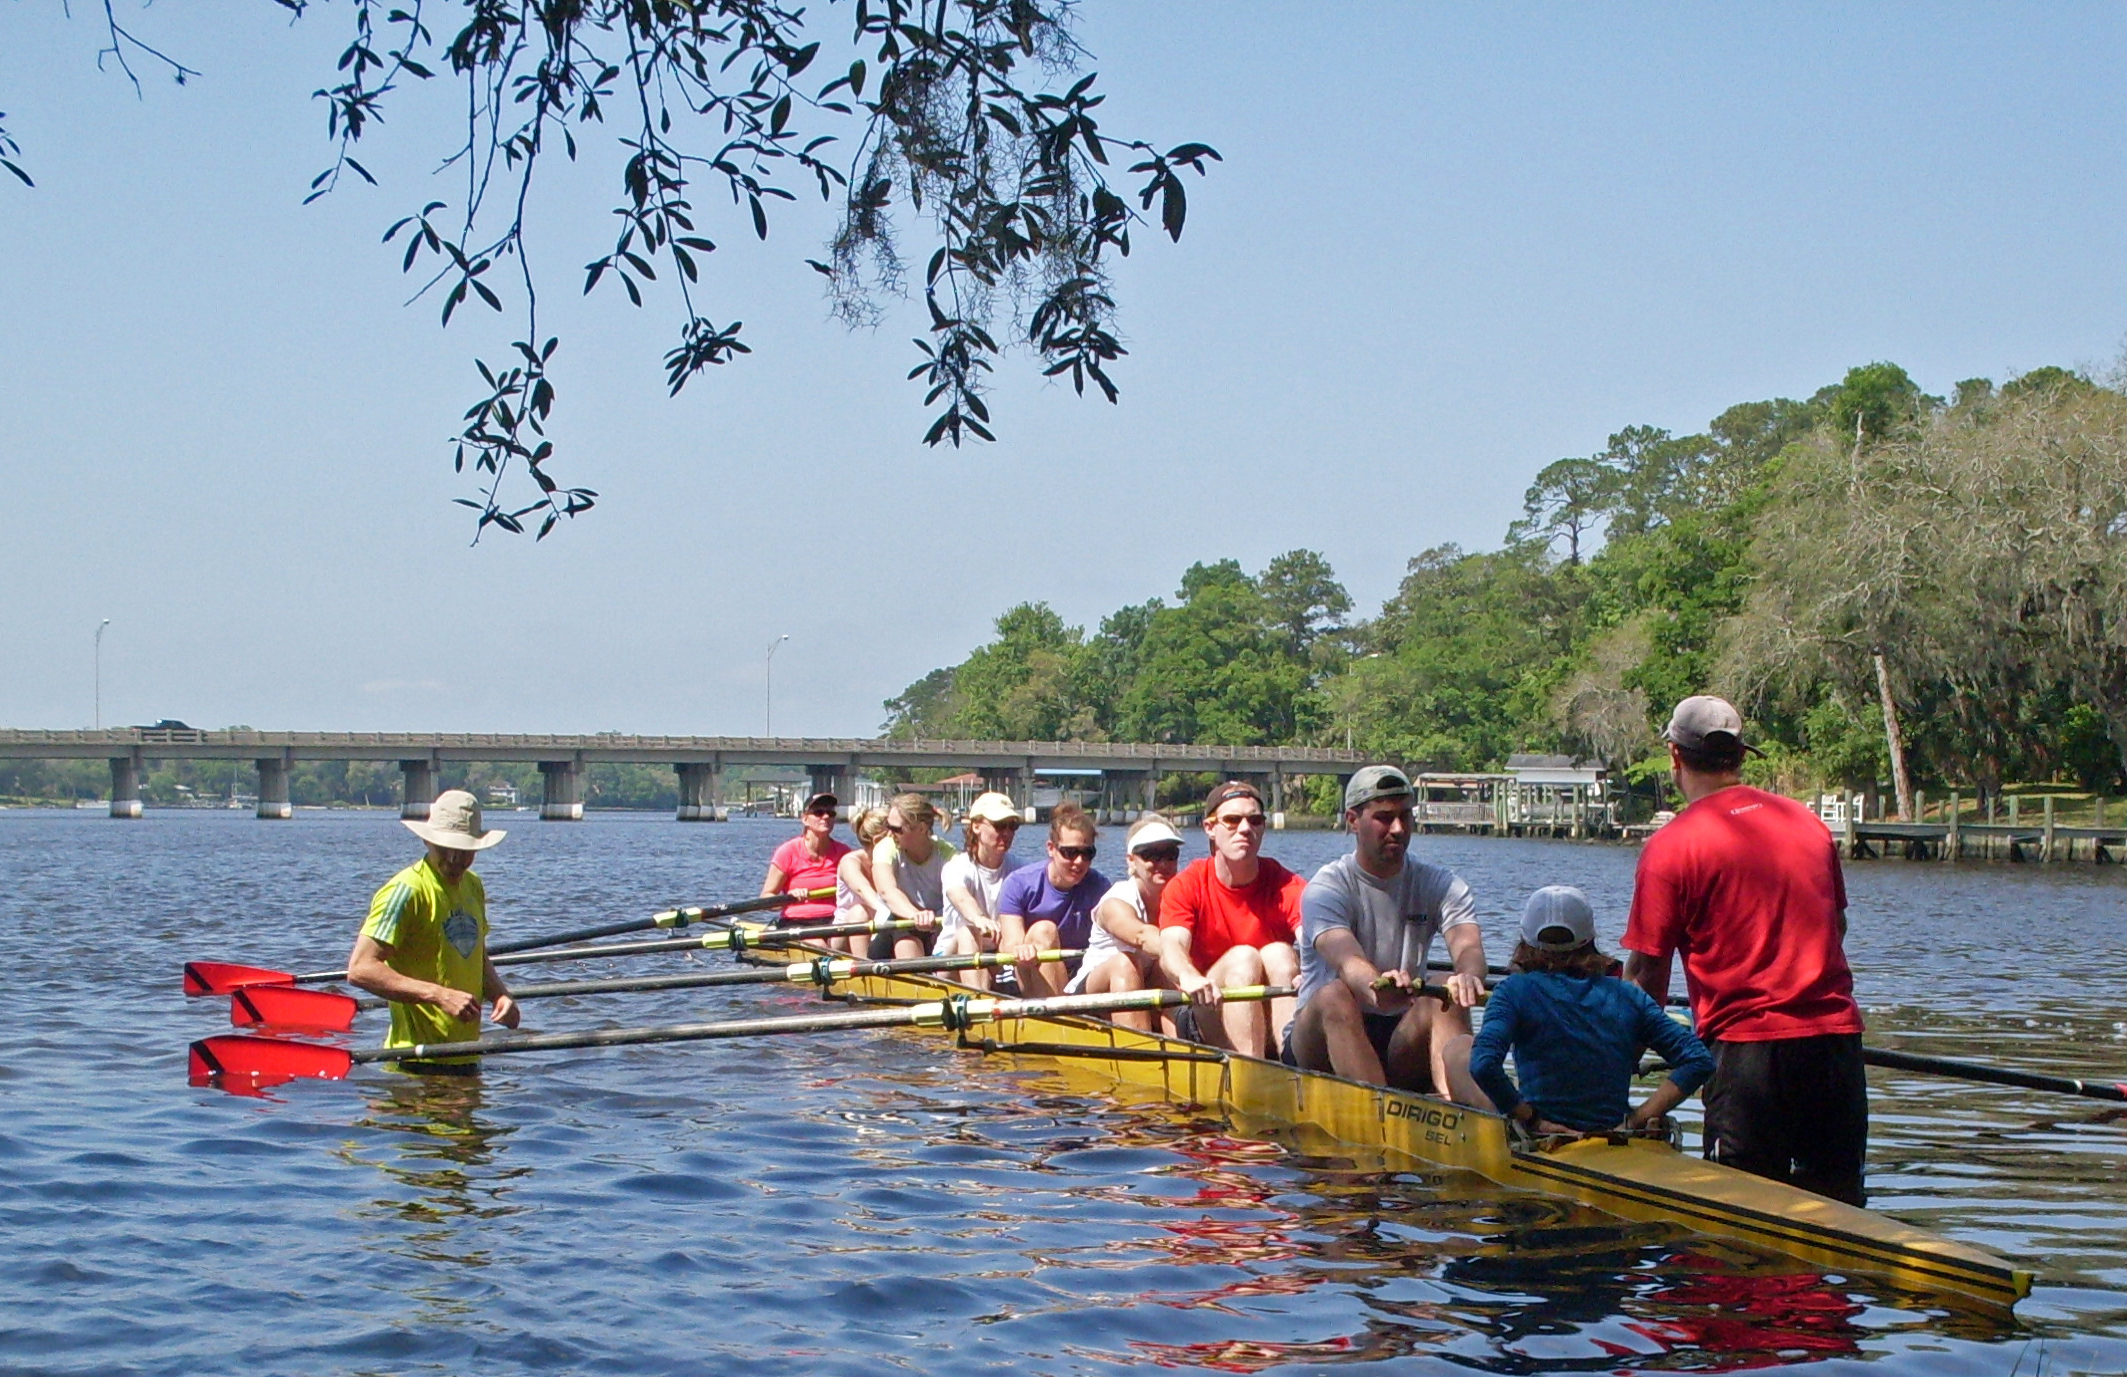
(1237, 659)
(1672, 546)
(1873, 401)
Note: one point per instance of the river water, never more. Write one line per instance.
(865, 1203)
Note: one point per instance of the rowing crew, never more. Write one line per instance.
(1745, 885)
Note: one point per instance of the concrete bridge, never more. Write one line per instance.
(1132, 771)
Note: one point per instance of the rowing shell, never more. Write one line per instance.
(1638, 1179)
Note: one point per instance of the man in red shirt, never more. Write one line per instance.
(1231, 919)
(1747, 886)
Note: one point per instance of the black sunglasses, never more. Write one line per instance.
(1078, 853)
(1162, 854)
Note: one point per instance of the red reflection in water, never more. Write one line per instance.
(1758, 1321)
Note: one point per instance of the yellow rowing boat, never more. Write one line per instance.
(1637, 1179)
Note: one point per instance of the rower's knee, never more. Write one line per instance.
(1334, 1004)
(1044, 935)
(1281, 964)
(1239, 966)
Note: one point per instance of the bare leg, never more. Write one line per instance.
(1455, 1060)
(1043, 979)
(1410, 1049)
(1281, 966)
(1119, 975)
(1244, 1025)
(1329, 1034)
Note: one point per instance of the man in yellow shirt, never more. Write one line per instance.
(424, 946)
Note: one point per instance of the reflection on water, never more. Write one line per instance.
(872, 1204)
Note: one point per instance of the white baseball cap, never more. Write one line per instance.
(1552, 909)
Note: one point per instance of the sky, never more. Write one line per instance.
(1446, 246)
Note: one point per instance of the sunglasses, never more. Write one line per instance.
(1168, 854)
(1010, 825)
(819, 812)
(1078, 853)
(897, 828)
(1237, 821)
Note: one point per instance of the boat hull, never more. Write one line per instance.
(1639, 1180)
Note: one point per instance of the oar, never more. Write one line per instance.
(670, 918)
(1940, 1066)
(289, 1008)
(254, 1062)
(221, 977)
(1992, 1075)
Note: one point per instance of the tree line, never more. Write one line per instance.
(1902, 591)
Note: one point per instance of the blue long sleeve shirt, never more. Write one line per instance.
(1576, 1042)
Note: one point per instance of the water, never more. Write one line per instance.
(863, 1203)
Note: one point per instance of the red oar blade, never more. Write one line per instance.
(220, 977)
(285, 1006)
(246, 1065)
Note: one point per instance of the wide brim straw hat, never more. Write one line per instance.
(454, 824)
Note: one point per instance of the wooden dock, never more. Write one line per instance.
(1954, 837)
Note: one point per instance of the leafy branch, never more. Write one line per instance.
(975, 115)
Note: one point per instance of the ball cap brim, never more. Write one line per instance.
(1557, 907)
(1376, 782)
(1154, 832)
(1700, 722)
(994, 807)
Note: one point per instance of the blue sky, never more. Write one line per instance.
(1447, 245)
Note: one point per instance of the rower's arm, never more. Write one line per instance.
(854, 870)
(1650, 973)
(889, 886)
(1341, 952)
(1465, 943)
(970, 911)
(1174, 960)
(1118, 917)
(774, 882)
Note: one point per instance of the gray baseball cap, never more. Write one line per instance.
(1376, 781)
(1700, 719)
(1556, 907)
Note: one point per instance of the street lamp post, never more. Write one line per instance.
(768, 686)
(99, 671)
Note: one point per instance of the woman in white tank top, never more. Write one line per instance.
(1123, 953)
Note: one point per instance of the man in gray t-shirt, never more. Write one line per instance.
(1367, 922)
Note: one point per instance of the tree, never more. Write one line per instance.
(1875, 400)
(1302, 595)
(1568, 498)
(943, 107)
(1983, 552)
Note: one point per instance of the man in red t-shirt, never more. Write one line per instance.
(1231, 919)
(1747, 886)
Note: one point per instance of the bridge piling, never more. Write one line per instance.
(273, 803)
(125, 785)
(701, 788)
(563, 794)
(417, 788)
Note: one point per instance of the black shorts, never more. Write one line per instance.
(1380, 1030)
(882, 943)
(1794, 1110)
